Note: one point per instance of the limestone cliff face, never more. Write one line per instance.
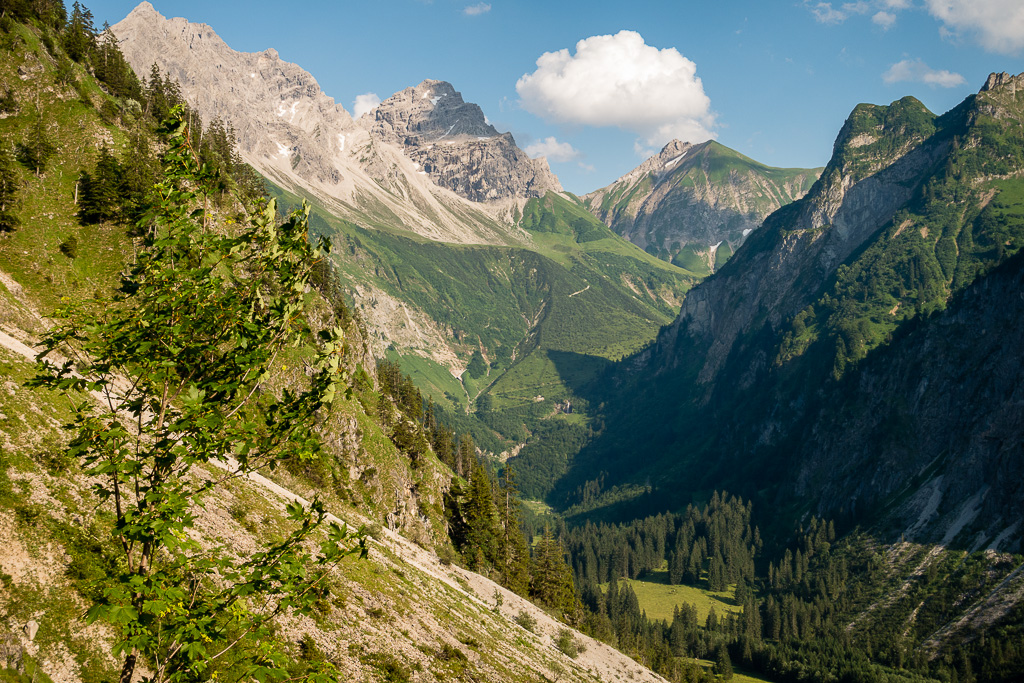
(451, 141)
(297, 136)
(699, 195)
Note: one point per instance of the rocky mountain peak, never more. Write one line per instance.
(300, 138)
(451, 141)
(430, 112)
(688, 200)
(1004, 80)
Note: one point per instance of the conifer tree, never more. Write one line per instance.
(38, 146)
(480, 514)
(100, 192)
(551, 579)
(80, 34)
(10, 184)
(514, 551)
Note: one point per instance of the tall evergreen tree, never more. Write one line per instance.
(514, 551)
(38, 147)
(551, 579)
(100, 192)
(482, 542)
(80, 34)
(10, 184)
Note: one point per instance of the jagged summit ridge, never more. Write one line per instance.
(452, 142)
(300, 138)
(430, 112)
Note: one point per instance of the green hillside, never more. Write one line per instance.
(544, 322)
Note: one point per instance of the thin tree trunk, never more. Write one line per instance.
(129, 667)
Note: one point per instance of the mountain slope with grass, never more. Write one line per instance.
(400, 613)
(694, 205)
(794, 373)
(498, 307)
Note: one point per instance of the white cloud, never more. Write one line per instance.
(884, 19)
(917, 71)
(477, 9)
(882, 11)
(364, 103)
(552, 149)
(826, 14)
(997, 24)
(621, 81)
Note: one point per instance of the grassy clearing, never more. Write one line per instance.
(738, 676)
(658, 598)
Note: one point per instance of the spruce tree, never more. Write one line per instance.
(38, 147)
(515, 553)
(482, 541)
(100, 192)
(10, 184)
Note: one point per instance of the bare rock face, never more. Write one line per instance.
(297, 136)
(277, 109)
(699, 195)
(451, 141)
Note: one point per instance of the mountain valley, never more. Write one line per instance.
(716, 420)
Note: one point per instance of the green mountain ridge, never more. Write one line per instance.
(688, 202)
(911, 210)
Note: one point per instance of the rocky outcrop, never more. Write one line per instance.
(699, 195)
(451, 141)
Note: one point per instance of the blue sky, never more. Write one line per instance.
(776, 79)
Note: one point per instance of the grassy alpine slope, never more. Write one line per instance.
(398, 614)
(544, 322)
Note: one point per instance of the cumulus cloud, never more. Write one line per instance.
(364, 103)
(884, 19)
(998, 25)
(479, 8)
(621, 81)
(552, 149)
(917, 71)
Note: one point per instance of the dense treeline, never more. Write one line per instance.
(114, 189)
(807, 608)
(718, 540)
(483, 512)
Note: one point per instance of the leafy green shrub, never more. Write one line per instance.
(526, 620)
(567, 645)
